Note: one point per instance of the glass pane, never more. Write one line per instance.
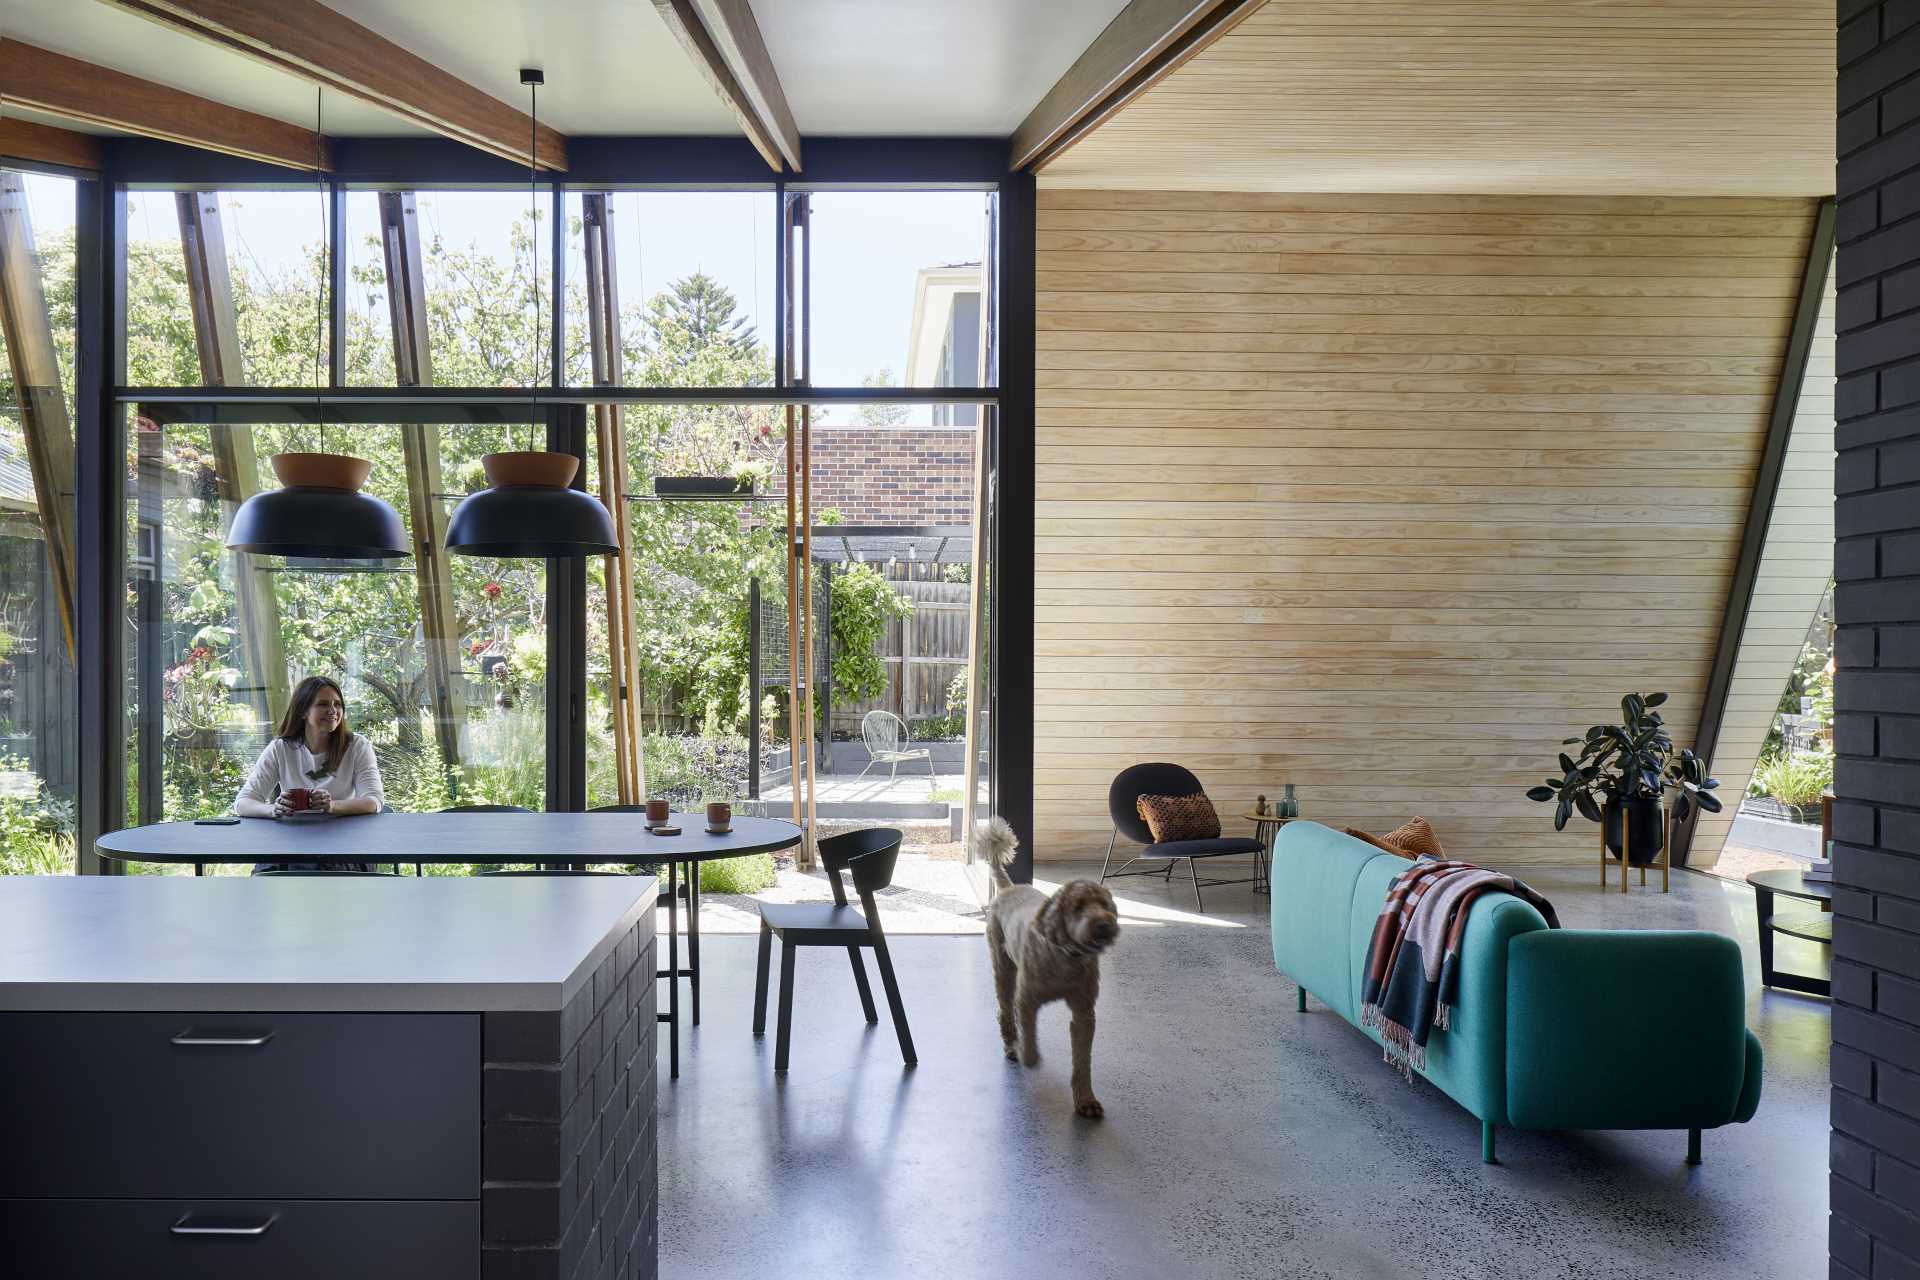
(896, 288)
(264, 318)
(694, 278)
(38, 694)
(486, 263)
(455, 706)
(710, 596)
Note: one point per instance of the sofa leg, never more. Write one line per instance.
(1301, 992)
(1486, 1142)
(1693, 1146)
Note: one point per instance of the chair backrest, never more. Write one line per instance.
(558, 871)
(882, 731)
(1154, 779)
(618, 808)
(485, 808)
(869, 855)
(281, 871)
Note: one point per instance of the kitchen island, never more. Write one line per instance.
(327, 1076)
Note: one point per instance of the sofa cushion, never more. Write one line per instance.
(1314, 869)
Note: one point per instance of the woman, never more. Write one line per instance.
(316, 753)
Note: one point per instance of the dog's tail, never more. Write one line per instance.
(995, 844)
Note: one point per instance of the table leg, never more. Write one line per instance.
(673, 971)
(1763, 912)
(693, 936)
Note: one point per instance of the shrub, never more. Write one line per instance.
(747, 874)
(1795, 780)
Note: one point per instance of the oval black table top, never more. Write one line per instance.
(1789, 883)
(449, 837)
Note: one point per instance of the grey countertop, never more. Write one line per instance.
(308, 943)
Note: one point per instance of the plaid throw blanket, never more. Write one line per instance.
(1413, 961)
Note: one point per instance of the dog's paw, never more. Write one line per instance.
(1089, 1108)
(1013, 1053)
(1030, 1057)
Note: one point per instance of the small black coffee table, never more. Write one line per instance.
(1814, 928)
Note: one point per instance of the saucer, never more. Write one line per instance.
(720, 831)
(664, 829)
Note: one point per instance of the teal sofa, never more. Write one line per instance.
(1555, 1028)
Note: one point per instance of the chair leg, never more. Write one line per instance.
(860, 981)
(1195, 873)
(863, 772)
(760, 980)
(1693, 1146)
(893, 1000)
(1108, 860)
(783, 1035)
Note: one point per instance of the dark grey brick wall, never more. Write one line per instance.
(568, 1155)
(1875, 1175)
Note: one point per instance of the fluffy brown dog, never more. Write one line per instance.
(1045, 949)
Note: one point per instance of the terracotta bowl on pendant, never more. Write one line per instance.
(530, 467)
(321, 471)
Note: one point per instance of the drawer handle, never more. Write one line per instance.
(230, 1039)
(188, 1227)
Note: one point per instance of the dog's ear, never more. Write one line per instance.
(1051, 920)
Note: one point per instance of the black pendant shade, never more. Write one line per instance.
(325, 523)
(531, 521)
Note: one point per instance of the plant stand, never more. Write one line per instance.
(1626, 850)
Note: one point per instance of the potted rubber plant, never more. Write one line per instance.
(1621, 775)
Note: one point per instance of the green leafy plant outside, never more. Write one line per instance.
(1797, 780)
(863, 604)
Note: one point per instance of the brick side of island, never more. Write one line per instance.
(569, 1146)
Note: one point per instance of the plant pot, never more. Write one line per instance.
(1647, 826)
(701, 487)
(321, 471)
(530, 467)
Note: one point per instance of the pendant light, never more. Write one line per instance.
(319, 511)
(529, 508)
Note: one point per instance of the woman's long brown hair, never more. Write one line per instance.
(293, 725)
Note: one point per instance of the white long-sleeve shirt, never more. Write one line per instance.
(285, 766)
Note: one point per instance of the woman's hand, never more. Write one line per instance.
(282, 805)
(320, 799)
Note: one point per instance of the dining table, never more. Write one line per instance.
(568, 841)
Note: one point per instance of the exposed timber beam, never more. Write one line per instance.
(44, 144)
(311, 41)
(45, 426)
(420, 442)
(1143, 44)
(236, 463)
(1766, 492)
(724, 42)
(76, 90)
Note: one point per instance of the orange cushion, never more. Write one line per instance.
(1179, 817)
(1411, 839)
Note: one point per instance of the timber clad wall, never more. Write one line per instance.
(1875, 1185)
(1385, 495)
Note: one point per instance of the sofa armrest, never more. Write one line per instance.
(1627, 1029)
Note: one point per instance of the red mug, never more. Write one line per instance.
(719, 815)
(656, 810)
(299, 798)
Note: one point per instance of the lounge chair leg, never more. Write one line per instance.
(1194, 871)
(1486, 1143)
(1693, 1146)
(1301, 993)
(1108, 860)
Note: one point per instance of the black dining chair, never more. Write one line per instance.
(289, 871)
(869, 857)
(1162, 779)
(546, 871)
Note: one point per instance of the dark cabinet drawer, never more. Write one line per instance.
(240, 1106)
(242, 1239)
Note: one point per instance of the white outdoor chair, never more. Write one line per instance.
(886, 737)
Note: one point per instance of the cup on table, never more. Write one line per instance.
(656, 810)
(299, 798)
(719, 816)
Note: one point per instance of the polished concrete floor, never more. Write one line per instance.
(1241, 1138)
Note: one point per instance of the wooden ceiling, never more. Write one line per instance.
(1678, 97)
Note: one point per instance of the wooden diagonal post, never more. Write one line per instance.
(44, 425)
(236, 466)
(420, 446)
(603, 335)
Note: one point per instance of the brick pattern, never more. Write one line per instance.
(1875, 1172)
(568, 1151)
(892, 475)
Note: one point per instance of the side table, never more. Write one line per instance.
(1815, 928)
(1266, 829)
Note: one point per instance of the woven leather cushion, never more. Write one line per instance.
(1179, 817)
(1411, 839)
